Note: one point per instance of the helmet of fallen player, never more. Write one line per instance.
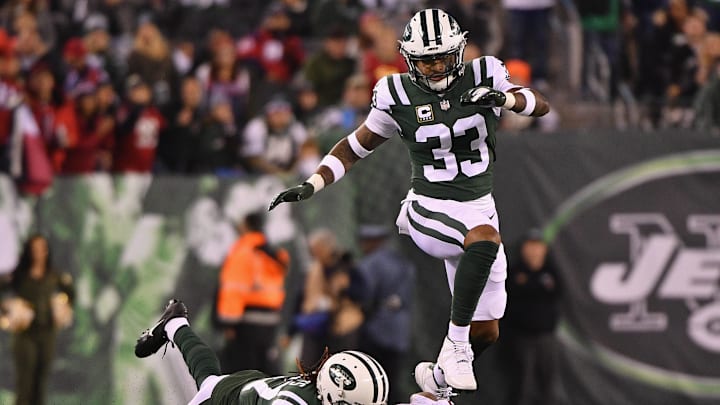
(432, 35)
(352, 377)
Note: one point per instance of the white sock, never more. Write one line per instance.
(439, 376)
(173, 325)
(459, 333)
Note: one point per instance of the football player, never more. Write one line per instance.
(348, 377)
(446, 113)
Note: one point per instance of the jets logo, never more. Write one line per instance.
(342, 377)
(647, 263)
(424, 113)
(662, 268)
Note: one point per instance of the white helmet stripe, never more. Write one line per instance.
(377, 372)
(385, 382)
(372, 373)
(436, 27)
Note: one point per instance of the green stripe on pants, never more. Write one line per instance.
(429, 230)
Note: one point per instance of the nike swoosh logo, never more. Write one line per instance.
(492, 216)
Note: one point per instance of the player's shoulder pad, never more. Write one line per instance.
(489, 67)
(382, 98)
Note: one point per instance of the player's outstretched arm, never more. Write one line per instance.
(522, 100)
(359, 144)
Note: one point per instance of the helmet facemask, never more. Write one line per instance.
(437, 80)
(433, 35)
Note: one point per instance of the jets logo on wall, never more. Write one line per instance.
(662, 267)
(644, 246)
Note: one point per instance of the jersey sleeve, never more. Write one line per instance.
(381, 123)
(495, 70)
(380, 120)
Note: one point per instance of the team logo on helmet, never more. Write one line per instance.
(342, 377)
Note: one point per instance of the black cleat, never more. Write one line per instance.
(154, 338)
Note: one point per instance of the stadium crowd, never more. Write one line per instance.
(247, 86)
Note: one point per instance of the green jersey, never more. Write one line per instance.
(250, 387)
(451, 146)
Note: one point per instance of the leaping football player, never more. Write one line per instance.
(446, 112)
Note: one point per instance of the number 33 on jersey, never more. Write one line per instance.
(452, 146)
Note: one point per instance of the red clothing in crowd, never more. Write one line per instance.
(10, 97)
(84, 142)
(375, 69)
(279, 57)
(135, 148)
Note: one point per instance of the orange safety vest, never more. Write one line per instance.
(251, 277)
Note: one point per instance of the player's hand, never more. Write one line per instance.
(485, 97)
(297, 193)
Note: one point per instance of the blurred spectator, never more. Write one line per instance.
(483, 16)
(48, 295)
(655, 57)
(530, 19)
(183, 56)
(383, 58)
(226, 77)
(152, 61)
(23, 150)
(275, 142)
(250, 296)
(531, 319)
(684, 58)
(40, 97)
(86, 137)
(32, 49)
(78, 69)
(325, 297)
(601, 46)
(395, 13)
(215, 151)
(40, 89)
(177, 146)
(712, 9)
(139, 127)
(370, 26)
(100, 54)
(299, 14)
(10, 98)
(388, 283)
(306, 104)
(40, 12)
(329, 68)
(707, 103)
(345, 13)
(272, 47)
(337, 121)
